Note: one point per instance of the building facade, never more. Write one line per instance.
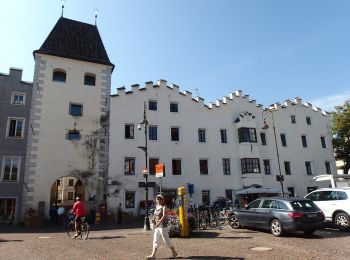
(15, 101)
(69, 115)
(223, 148)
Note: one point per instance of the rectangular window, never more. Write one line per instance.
(7, 207)
(291, 191)
(303, 140)
(176, 165)
(203, 166)
(73, 135)
(283, 140)
(323, 142)
(75, 109)
(152, 165)
(129, 131)
(226, 166)
(15, 127)
(228, 194)
(292, 119)
(174, 107)
(247, 135)
(205, 197)
(129, 199)
(250, 165)
(223, 135)
(129, 166)
(18, 98)
(287, 168)
(263, 138)
(308, 120)
(267, 168)
(10, 169)
(308, 168)
(328, 168)
(89, 79)
(175, 136)
(201, 135)
(71, 182)
(153, 132)
(70, 195)
(152, 105)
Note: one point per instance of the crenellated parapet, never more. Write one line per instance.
(217, 104)
(298, 102)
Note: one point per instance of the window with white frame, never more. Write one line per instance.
(18, 98)
(15, 127)
(130, 199)
(153, 132)
(129, 166)
(129, 131)
(250, 165)
(201, 135)
(10, 169)
(226, 166)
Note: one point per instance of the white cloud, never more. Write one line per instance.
(329, 102)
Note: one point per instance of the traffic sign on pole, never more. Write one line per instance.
(159, 170)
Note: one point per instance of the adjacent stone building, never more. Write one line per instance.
(225, 149)
(15, 100)
(69, 115)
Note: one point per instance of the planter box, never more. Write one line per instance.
(33, 221)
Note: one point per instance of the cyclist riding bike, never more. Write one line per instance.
(80, 212)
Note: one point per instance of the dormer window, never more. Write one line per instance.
(59, 75)
(90, 79)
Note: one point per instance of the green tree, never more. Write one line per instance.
(341, 134)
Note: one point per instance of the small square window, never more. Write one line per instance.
(59, 75)
(152, 105)
(89, 80)
(18, 98)
(73, 135)
(76, 109)
(174, 107)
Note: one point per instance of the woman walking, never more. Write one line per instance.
(160, 228)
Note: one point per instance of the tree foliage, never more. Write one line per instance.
(341, 134)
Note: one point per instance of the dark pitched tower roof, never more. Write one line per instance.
(75, 40)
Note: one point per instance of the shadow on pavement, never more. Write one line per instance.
(106, 237)
(13, 240)
(211, 257)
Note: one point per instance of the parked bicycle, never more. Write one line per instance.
(83, 228)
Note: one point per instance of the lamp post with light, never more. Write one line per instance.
(144, 123)
(280, 177)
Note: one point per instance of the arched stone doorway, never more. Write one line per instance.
(65, 189)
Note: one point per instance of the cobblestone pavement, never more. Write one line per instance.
(131, 242)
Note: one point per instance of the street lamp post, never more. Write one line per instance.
(280, 177)
(144, 122)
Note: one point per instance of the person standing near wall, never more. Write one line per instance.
(160, 228)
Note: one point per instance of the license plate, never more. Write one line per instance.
(312, 215)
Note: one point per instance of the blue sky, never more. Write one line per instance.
(273, 50)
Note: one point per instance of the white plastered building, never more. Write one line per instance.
(217, 147)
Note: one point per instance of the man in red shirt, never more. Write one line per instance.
(80, 212)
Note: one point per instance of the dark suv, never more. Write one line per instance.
(280, 215)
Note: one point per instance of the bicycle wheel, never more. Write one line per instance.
(85, 229)
(70, 229)
(214, 220)
(222, 218)
(203, 221)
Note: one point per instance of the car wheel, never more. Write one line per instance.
(276, 228)
(234, 222)
(342, 221)
(309, 231)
